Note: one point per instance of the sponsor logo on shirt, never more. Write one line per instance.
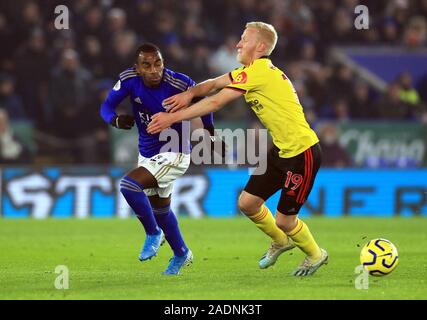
(241, 78)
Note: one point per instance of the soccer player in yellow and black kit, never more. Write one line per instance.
(293, 162)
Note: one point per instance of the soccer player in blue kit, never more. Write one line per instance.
(148, 188)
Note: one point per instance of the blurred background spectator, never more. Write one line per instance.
(12, 151)
(333, 154)
(56, 79)
(390, 106)
(9, 100)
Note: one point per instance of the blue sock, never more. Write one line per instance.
(169, 224)
(138, 201)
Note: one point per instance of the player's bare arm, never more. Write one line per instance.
(163, 120)
(183, 100)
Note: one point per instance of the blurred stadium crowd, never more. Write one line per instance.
(55, 80)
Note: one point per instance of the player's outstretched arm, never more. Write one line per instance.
(183, 100)
(108, 113)
(163, 120)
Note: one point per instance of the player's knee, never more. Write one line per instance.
(242, 204)
(158, 202)
(282, 225)
(286, 223)
(128, 185)
(246, 206)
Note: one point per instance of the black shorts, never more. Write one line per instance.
(295, 176)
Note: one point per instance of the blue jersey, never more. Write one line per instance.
(148, 101)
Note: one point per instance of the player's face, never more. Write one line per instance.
(247, 46)
(150, 67)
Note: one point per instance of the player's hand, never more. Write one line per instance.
(159, 122)
(123, 121)
(178, 101)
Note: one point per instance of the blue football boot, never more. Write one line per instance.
(176, 263)
(151, 246)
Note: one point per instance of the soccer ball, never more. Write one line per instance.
(379, 257)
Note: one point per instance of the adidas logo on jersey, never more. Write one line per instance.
(291, 193)
(138, 100)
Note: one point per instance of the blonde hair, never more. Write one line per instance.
(267, 33)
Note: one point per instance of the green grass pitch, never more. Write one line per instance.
(101, 255)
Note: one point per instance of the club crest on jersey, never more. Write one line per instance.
(241, 78)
